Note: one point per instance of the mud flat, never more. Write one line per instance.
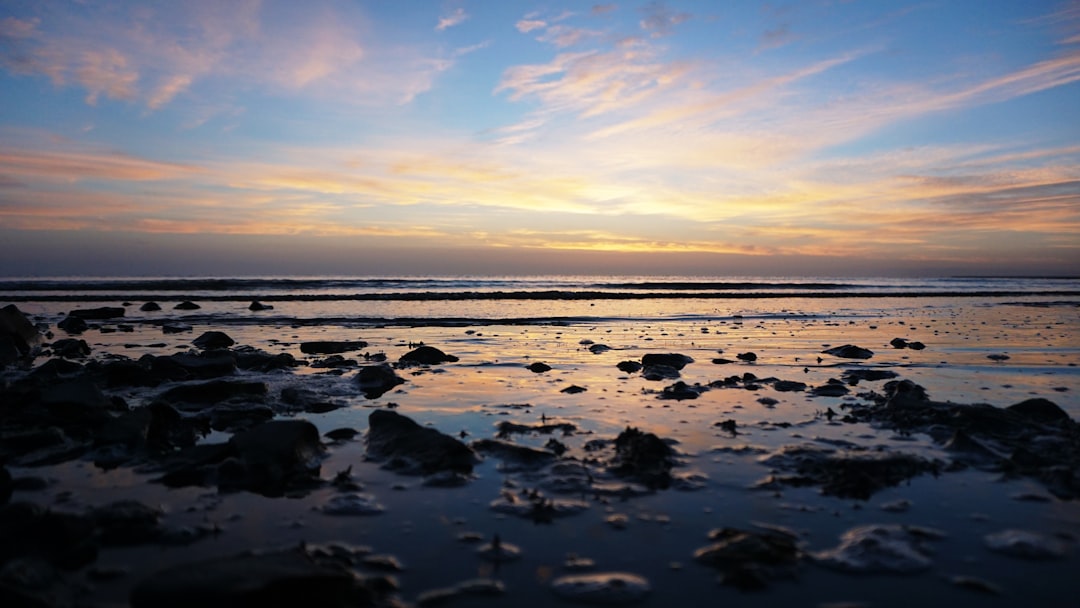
(881, 451)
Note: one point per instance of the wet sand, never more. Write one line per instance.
(722, 440)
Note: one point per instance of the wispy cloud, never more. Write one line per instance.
(457, 17)
(659, 20)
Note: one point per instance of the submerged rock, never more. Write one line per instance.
(881, 548)
(751, 560)
(376, 380)
(853, 473)
(410, 448)
(674, 360)
(608, 588)
(353, 504)
(1026, 544)
(212, 340)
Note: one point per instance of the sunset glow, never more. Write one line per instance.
(428, 137)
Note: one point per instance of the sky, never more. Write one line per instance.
(819, 137)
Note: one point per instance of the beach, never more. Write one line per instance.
(645, 441)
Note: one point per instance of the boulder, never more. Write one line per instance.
(213, 340)
(674, 360)
(17, 334)
(376, 380)
(538, 367)
(214, 391)
(629, 367)
(71, 348)
(1040, 410)
(644, 457)
(273, 456)
(187, 305)
(150, 307)
(427, 355)
(412, 448)
(257, 306)
(73, 325)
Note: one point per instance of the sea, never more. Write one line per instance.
(995, 341)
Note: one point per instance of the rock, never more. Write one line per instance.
(832, 388)
(473, 587)
(175, 327)
(76, 402)
(7, 485)
(659, 372)
(881, 548)
(307, 400)
(786, 386)
(681, 390)
(150, 307)
(256, 306)
(608, 588)
(209, 364)
(18, 336)
(411, 448)
(73, 325)
(187, 305)
(520, 455)
(596, 349)
(276, 455)
(1040, 410)
(498, 551)
(375, 380)
(851, 473)
(898, 343)
(1026, 544)
(854, 376)
(126, 522)
(748, 357)
(214, 391)
(674, 360)
(849, 351)
(629, 367)
(353, 504)
(998, 357)
(98, 314)
(534, 506)
(282, 578)
(71, 348)
(253, 359)
(324, 347)
(64, 540)
(573, 389)
(213, 340)
(916, 345)
(643, 456)
(538, 367)
(426, 355)
(750, 560)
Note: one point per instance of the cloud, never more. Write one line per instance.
(659, 20)
(455, 18)
(602, 9)
(527, 25)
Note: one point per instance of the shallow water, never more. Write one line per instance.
(420, 524)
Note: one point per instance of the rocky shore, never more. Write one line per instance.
(590, 440)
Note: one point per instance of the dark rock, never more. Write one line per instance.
(257, 306)
(629, 366)
(412, 448)
(853, 473)
(721, 361)
(751, 560)
(674, 360)
(7, 485)
(18, 335)
(282, 578)
(331, 347)
(785, 386)
(748, 357)
(427, 355)
(76, 402)
(538, 367)
(150, 307)
(854, 376)
(334, 362)
(375, 380)
(126, 522)
(63, 540)
(205, 365)
(238, 416)
(507, 428)
(1039, 410)
(659, 372)
(596, 349)
(175, 327)
(307, 400)
(573, 389)
(898, 343)
(849, 351)
(73, 325)
(342, 434)
(516, 454)
(71, 348)
(212, 340)
(275, 456)
(916, 345)
(832, 388)
(253, 359)
(98, 314)
(187, 305)
(681, 390)
(214, 391)
(644, 457)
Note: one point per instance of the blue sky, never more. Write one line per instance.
(498, 137)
